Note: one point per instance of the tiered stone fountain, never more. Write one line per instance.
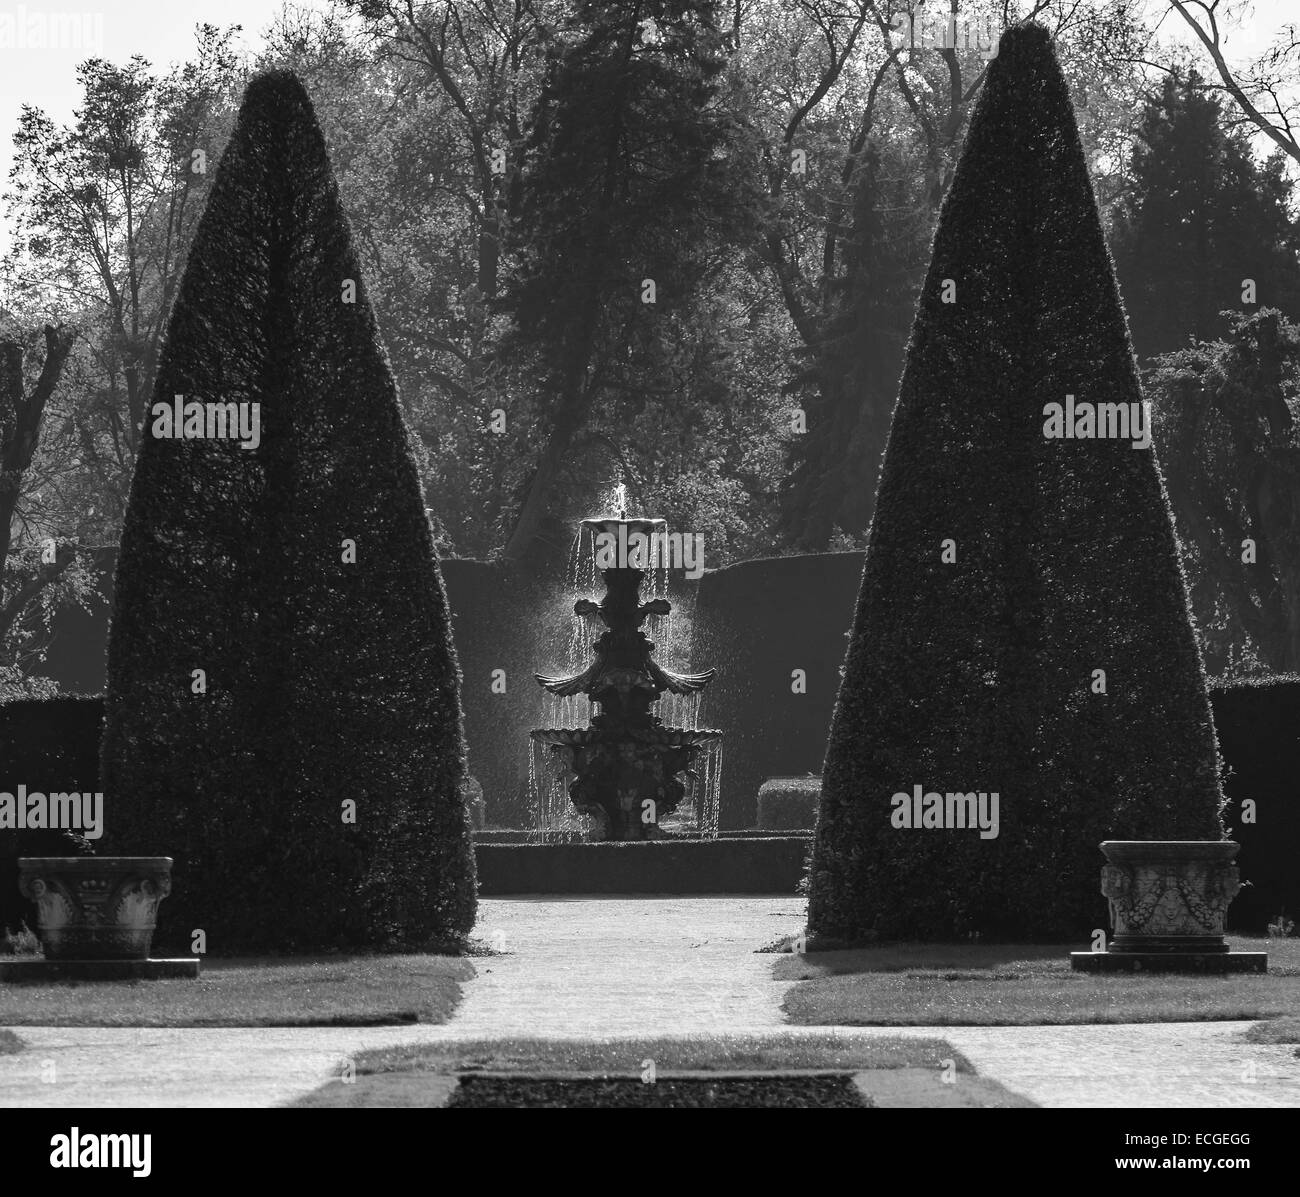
(626, 771)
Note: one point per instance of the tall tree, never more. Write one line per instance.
(1022, 627)
(849, 383)
(625, 189)
(1264, 90)
(283, 710)
(22, 409)
(432, 189)
(1201, 228)
(871, 97)
(103, 210)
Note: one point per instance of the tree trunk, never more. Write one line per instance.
(575, 402)
(20, 419)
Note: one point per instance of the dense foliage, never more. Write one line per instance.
(1022, 627)
(1228, 438)
(781, 168)
(282, 711)
(1198, 220)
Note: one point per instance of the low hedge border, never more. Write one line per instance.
(53, 744)
(789, 803)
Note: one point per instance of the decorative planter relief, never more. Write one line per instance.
(95, 907)
(1169, 895)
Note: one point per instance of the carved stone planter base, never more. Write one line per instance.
(1169, 962)
(1168, 902)
(100, 970)
(95, 907)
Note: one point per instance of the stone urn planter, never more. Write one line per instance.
(1169, 895)
(95, 907)
(1168, 902)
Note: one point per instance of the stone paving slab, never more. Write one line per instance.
(629, 968)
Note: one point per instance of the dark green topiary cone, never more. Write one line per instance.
(978, 675)
(328, 682)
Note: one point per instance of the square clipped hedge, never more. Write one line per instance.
(1258, 722)
(789, 803)
(49, 744)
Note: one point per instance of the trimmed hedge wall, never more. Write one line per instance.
(47, 745)
(54, 744)
(1259, 736)
(755, 623)
(493, 627)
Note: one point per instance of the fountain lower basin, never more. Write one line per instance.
(628, 780)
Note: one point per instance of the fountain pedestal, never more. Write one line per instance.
(627, 767)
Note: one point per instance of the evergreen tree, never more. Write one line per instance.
(847, 387)
(628, 186)
(1022, 626)
(307, 780)
(1199, 217)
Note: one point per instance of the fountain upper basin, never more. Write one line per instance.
(610, 525)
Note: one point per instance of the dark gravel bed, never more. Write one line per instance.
(766, 1092)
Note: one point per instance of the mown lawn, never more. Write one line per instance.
(1019, 985)
(1275, 1030)
(692, 1053)
(275, 992)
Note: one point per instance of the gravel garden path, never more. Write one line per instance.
(644, 966)
(635, 967)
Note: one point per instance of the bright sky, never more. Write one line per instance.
(163, 31)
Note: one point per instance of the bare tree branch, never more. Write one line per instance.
(1208, 33)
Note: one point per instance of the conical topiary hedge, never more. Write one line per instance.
(307, 780)
(1022, 626)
